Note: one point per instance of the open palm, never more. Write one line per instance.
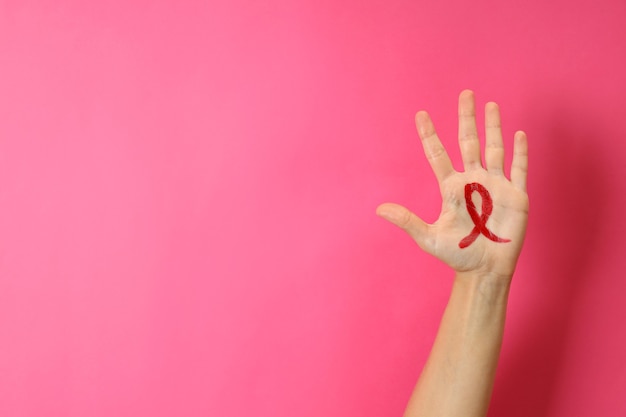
(483, 216)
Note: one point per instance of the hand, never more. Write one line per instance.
(455, 227)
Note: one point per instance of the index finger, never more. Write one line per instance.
(433, 149)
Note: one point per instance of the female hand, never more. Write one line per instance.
(470, 236)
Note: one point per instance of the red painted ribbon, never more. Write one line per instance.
(480, 222)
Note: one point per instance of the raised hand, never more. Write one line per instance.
(483, 216)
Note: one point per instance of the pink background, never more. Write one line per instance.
(187, 196)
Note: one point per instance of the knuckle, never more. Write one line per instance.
(435, 152)
(494, 145)
(405, 219)
(467, 137)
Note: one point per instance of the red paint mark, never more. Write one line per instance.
(480, 222)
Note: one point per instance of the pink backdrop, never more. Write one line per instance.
(187, 196)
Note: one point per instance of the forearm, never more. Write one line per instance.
(457, 379)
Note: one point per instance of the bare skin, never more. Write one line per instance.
(457, 379)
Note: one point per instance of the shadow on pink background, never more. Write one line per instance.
(187, 196)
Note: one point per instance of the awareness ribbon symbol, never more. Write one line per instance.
(480, 222)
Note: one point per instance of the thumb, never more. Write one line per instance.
(407, 220)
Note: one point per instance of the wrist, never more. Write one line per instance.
(489, 286)
(485, 276)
